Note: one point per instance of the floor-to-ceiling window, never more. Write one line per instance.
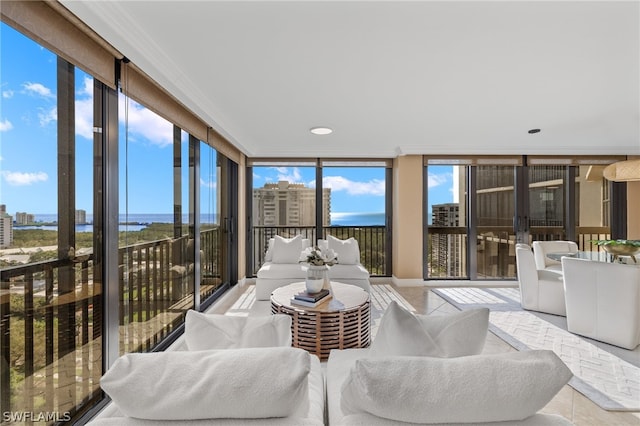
(50, 290)
(479, 208)
(355, 194)
(99, 196)
(316, 198)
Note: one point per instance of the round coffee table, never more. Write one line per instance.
(342, 322)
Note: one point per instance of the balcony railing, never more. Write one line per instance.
(51, 318)
(447, 249)
(371, 240)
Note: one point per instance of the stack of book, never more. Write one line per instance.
(310, 299)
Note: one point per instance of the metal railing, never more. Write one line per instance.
(372, 241)
(446, 255)
(51, 318)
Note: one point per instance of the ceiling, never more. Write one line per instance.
(392, 77)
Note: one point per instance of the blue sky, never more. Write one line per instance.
(28, 151)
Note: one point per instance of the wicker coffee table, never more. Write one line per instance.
(340, 323)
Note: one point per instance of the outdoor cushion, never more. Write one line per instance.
(287, 250)
(347, 250)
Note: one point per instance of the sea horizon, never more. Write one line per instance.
(138, 221)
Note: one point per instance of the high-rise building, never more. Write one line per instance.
(23, 218)
(447, 246)
(289, 204)
(6, 227)
(81, 217)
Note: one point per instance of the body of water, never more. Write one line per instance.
(137, 222)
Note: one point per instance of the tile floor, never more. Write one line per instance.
(568, 403)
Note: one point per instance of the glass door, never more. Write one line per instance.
(494, 213)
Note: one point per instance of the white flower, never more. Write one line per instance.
(319, 257)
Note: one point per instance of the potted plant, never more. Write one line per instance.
(619, 247)
(319, 261)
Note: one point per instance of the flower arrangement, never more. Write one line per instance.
(319, 257)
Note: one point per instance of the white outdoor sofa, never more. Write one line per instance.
(282, 266)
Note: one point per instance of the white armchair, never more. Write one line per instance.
(540, 290)
(603, 301)
(541, 248)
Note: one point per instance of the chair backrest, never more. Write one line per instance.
(527, 276)
(606, 295)
(541, 248)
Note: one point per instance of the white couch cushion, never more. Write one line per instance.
(348, 250)
(338, 271)
(272, 270)
(213, 331)
(286, 250)
(237, 383)
(452, 335)
(268, 256)
(475, 389)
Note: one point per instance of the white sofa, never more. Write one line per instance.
(204, 338)
(339, 367)
(280, 270)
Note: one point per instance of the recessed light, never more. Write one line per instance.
(532, 131)
(321, 130)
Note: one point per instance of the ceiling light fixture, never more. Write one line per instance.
(532, 131)
(321, 130)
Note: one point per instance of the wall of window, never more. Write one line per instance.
(316, 198)
(478, 208)
(113, 218)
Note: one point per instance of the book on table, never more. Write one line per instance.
(311, 297)
(310, 300)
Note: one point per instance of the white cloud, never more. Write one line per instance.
(84, 118)
(146, 123)
(38, 89)
(5, 125)
(292, 175)
(211, 185)
(47, 117)
(339, 183)
(434, 180)
(22, 179)
(7, 94)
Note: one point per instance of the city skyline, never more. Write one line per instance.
(28, 175)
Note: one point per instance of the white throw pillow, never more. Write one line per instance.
(268, 256)
(286, 250)
(213, 331)
(348, 250)
(232, 383)
(403, 333)
(473, 389)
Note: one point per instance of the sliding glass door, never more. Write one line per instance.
(479, 208)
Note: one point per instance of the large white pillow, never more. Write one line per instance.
(473, 389)
(232, 383)
(268, 256)
(452, 335)
(286, 250)
(213, 331)
(348, 250)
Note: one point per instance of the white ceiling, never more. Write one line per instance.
(392, 77)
